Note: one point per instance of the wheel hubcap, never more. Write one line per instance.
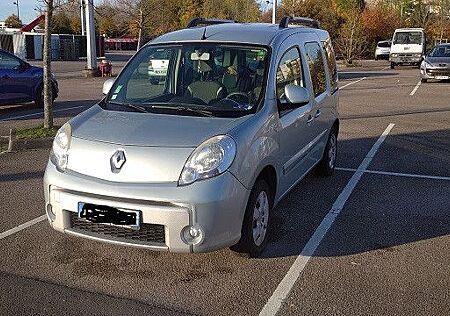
(260, 218)
(332, 151)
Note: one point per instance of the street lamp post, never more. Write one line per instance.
(274, 9)
(17, 5)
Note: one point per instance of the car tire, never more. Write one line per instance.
(255, 227)
(423, 80)
(327, 164)
(392, 65)
(39, 98)
(376, 57)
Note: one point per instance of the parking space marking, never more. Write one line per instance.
(39, 113)
(281, 293)
(415, 88)
(22, 226)
(398, 174)
(353, 82)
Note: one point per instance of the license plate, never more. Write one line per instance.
(102, 214)
(442, 77)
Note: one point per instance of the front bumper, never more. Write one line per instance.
(405, 59)
(435, 73)
(216, 205)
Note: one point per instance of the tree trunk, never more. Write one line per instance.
(47, 84)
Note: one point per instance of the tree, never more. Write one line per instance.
(352, 43)
(13, 21)
(61, 23)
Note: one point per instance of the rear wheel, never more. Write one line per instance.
(327, 164)
(39, 98)
(255, 227)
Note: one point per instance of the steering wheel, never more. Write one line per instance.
(238, 97)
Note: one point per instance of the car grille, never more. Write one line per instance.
(438, 72)
(147, 233)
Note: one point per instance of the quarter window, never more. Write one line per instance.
(8, 62)
(331, 62)
(314, 58)
(289, 71)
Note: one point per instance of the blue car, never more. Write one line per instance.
(21, 82)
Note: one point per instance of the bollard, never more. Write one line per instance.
(12, 138)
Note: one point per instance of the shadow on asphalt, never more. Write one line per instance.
(382, 212)
(21, 176)
(348, 75)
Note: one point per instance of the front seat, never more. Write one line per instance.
(207, 90)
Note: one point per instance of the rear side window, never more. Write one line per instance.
(331, 63)
(8, 62)
(289, 71)
(314, 58)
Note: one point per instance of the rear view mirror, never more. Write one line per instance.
(199, 56)
(107, 86)
(296, 94)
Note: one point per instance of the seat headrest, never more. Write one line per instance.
(203, 66)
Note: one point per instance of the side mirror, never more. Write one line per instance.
(297, 95)
(107, 86)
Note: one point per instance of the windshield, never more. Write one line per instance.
(408, 38)
(441, 51)
(384, 44)
(222, 79)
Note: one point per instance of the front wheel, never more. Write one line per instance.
(423, 80)
(255, 227)
(328, 163)
(392, 65)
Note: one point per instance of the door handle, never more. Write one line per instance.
(310, 119)
(317, 113)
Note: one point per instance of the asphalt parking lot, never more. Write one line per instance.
(373, 239)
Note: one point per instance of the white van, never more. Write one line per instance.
(408, 47)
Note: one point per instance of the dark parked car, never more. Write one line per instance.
(21, 82)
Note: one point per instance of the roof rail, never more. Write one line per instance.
(205, 22)
(284, 23)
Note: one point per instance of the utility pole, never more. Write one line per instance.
(91, 69)
(83, 20)
(17, 5)
(274, 12)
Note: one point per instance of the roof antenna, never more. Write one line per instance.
(204, 34)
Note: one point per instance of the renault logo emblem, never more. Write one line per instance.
(117, 161)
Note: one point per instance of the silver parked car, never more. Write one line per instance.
(436, 65)
(198, 162)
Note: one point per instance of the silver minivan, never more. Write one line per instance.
(198, 160)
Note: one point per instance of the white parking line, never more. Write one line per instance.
(22, 226)
(398, 174)
(353, 82)
(415, 88)
(281, 293)
(39, 113)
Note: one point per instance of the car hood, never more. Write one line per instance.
(155, 147)
(149, 129)
(438, 60)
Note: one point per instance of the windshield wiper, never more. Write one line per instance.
(130, 105)
(175, 106)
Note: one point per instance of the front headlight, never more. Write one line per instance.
(426, 64)
(209, 159)
(61, 144)
(394, 55)
(418, 55)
